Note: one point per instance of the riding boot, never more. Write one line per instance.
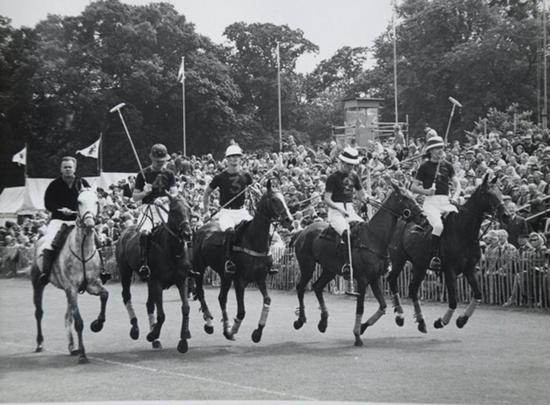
(229, 267)
(104, 275)
(144, 271)
(346, 268)
(48, 257)
(435, 262)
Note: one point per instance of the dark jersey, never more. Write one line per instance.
(161, 180)
(59, 195)
(426, 174)
(341, 185)
(231, 184)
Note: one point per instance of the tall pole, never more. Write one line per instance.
(183, 104)
(26, 162)
(544, 68)
(100, 155)
(394, 63)
(279, 99)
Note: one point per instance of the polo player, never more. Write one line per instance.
(432, 180)
(151, 192)
(61, 200)
(231, 182)
(339, 192)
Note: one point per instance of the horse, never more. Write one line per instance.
(252, 258)
(75, 269)
(369, 258)
(459, 253)
(169, 262)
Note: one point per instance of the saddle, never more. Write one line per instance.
(61, 237)
(217, 238)
(330, 234)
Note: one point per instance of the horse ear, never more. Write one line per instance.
(268, 185)
(494, 180)
(485, 178)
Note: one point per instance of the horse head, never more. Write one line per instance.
(179, 217)
(402, 204)
(88, 209)
(488, 198)
(273, 206)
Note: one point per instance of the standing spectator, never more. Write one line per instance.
(516, 226)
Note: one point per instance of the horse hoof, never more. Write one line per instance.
(256, 335)
(209, 329)
(38, 349)
(96, 326)
(438, 324)
(298, 324)
(152, 336)
(134, 332)
(422, 326)
(83, 360)
(156, 344)
(364, 327)
(358, 342)
(183, 346)
(461, 321)
(322, 326)
(228, 335)
(399, 320)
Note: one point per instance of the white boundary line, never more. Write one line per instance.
(176, 374)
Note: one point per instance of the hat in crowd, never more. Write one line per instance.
(233, 150)
(532, 160)
(434, 142)
(546, 150)
(159, 152)
(350, 155)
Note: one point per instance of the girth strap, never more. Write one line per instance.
(251, 252)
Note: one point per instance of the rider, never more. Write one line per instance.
(61, 199)
(436, 191)
(232, 182)
(339, 197)
(152, 191)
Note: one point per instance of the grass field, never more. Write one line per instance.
(501, 356)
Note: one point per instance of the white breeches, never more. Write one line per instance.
(338, 221)
(150, 216)
(51, 230)
(434, 206)
(230, 218)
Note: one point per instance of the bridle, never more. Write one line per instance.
(406, 214)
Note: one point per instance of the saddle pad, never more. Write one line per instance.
(329, 233)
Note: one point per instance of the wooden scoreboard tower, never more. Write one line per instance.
(360, 121)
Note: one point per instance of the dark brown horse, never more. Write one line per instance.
(369, 258)
(250, 255)
(169, 262)
(459, 252)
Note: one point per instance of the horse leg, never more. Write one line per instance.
(206, 315)
(474, 285)
(97, 325)
(396, 269)
(306, 272)
(257, 334)
(239, 295)
(450, 283)
(150, 305)
(377, 291)
(154, 334)
(126, 280)
(318, 287)
(222, 299)
(184, 332)
(38, 292)
(72, 299)
(418, 276)
(359, 309)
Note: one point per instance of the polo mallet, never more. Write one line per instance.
(455, 103)
(117, 108)
(351, 290)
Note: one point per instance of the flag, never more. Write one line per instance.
(181, 71)
(20, 157)
(91, 151)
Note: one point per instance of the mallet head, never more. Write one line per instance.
(117, 107)
(455, 102)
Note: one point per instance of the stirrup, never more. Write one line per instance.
(230, 267)
(435, 263)
(346, 271)
(144, 272)
(104, 276)
(273, 270)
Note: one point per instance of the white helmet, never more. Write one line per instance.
(233, 150)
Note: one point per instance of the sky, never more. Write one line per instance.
(329, 24)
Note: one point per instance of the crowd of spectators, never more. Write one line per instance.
(520, 162)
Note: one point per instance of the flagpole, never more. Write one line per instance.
(26, 162)
(100, 155)
(279, 98)
(394, 63)
(183, 104)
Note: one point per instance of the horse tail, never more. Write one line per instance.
(293, 238)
